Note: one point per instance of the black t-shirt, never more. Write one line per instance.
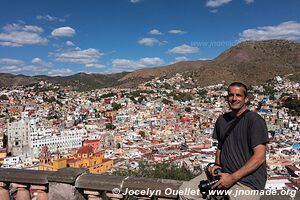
(250, 131)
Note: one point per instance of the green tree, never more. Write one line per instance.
(269, 90)
(202, 93)
(284, 94)
(49, 100)
(110, 126)
(116, 106)
(140, 99)
(293, 105)
(272, 97)
(187, 109)
(166, 101)
(5, 140)
(142, 134)
(181, 96)
(3, 97)
(133, 99)
(111, 94)
(165, 170)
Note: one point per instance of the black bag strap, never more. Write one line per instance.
(229, 130)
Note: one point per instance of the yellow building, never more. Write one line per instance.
(84, 158)
(2, 155)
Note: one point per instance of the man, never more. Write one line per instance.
(242, 154)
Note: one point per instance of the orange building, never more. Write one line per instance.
(84, 158)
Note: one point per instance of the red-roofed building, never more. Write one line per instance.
(293, 170)
(107, 100)
(184, 119)
(85, 151)
(291, 185)
(156, 141)
(94, 143)
(295, 183)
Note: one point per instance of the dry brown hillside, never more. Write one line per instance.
(252, 62)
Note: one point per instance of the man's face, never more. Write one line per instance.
(236, 97)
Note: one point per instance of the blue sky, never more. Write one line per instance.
(61, 37)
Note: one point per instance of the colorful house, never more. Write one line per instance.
(84, 158)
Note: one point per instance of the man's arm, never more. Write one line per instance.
(257, 159)
(217, 159)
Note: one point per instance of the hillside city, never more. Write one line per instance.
(47, 127)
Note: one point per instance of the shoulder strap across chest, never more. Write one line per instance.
(231, 127)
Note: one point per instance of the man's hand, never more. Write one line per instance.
(226, 181)
(212, 169)
(257, 159)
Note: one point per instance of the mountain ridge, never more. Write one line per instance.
(252, 62)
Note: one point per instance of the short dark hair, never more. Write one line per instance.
(239, 84)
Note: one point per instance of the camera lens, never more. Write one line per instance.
(206, 185)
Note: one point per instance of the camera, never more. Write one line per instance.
(205, 185)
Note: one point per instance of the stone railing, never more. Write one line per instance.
(79, 184)
(71, 183)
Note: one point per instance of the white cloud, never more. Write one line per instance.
(63, 31)
(12, 69)
(181, 58)
(9, 61)
(163, 42)
(183, 49)
(16, 35)
(60, 72)
(249, 1)
(94, 65)
(216, 3)
(214, 11)
(287, 30)
(86, 56)
(135, 1)
(148, 41)
(120, 65)
(23, 68)
(41, 63)
(151, 61)
(125, 63)
(49, 18)
(36, 67)
(34, 70)
(9, 44)
(69, 43)
(37, 61)
(155, 32)
(205, 59)
(46, 17)
(25, 28)
(176, 31)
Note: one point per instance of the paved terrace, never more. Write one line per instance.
(79, 184)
